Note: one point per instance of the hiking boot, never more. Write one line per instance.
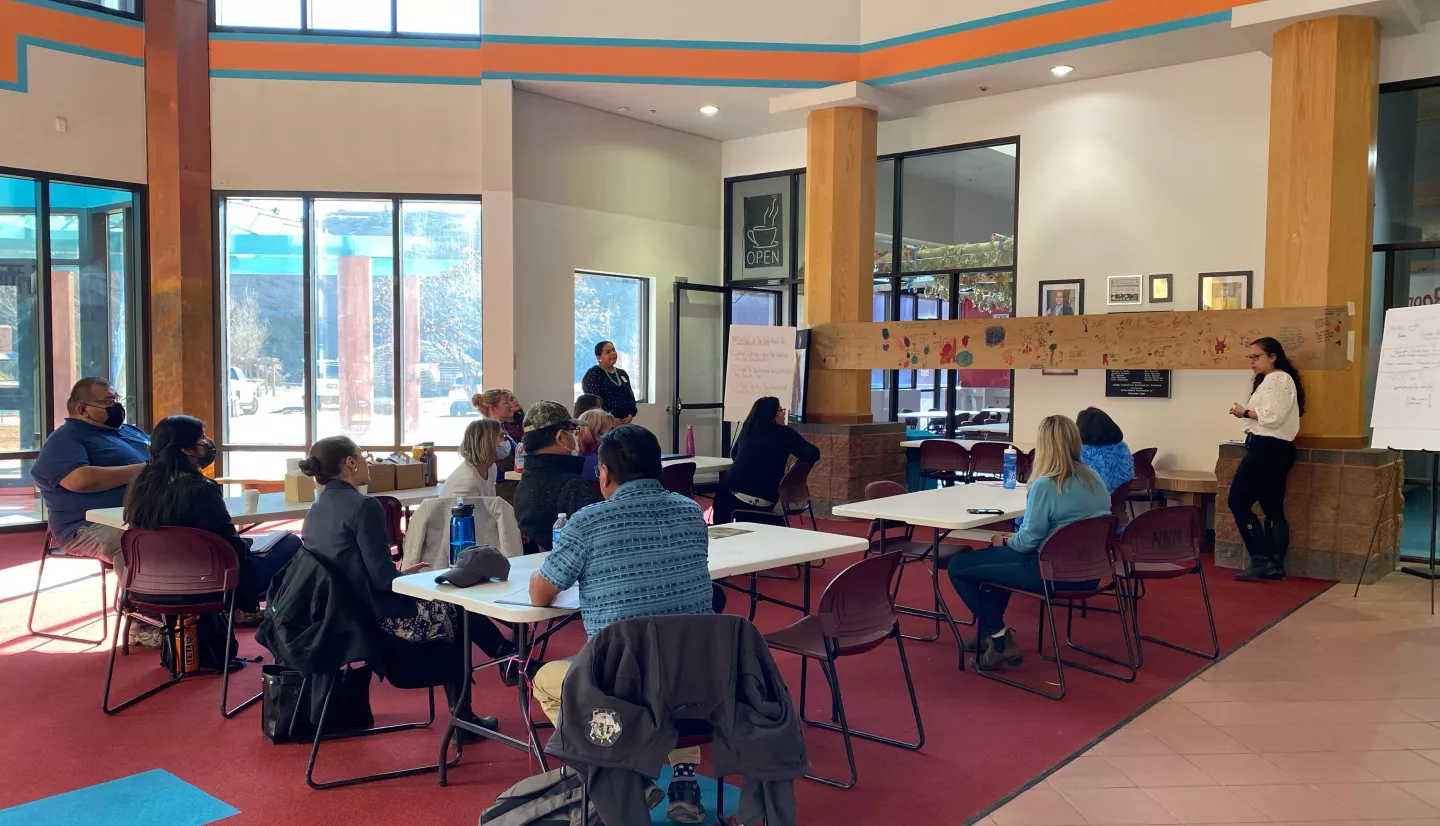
(970, 644)
(1002, 652)
(685, 805)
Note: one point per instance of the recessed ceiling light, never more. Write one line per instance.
(1061, 71)
(623, 109)
(709, 110)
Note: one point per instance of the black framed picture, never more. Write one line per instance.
(1162, 289)
(1225, 290)
(1062, 298)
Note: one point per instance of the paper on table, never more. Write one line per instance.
(722, 531)
(568, 598)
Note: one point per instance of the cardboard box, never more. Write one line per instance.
(382, 477)
(299, 488)
(408, 477)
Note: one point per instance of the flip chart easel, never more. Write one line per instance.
(1406, 414)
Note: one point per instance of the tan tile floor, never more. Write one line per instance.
(1331, 716)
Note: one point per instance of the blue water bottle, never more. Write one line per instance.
(462, 528)
(1011, 458)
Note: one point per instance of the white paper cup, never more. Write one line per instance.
(252, 500)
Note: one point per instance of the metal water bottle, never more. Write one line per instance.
(462, 529)
(1012, 457)
(689, 440)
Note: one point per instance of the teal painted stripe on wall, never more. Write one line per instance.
(425, 80)
(982, 23)
(1054, 48)
(347, 40)
(662, 81)
(91, 13)
(23, 44)
(646, 43)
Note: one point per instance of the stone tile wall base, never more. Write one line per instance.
(851, 457)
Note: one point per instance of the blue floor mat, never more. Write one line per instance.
(707, 796)
(153, 798)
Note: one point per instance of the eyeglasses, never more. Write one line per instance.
(1253, 357)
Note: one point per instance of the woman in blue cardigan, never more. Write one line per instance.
(1103, 448)
(1062, 490)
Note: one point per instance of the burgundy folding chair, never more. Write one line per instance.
(1118, 500)
(1163, 543)
(49, 549)
(856, 615)
(1144, 488)
(944, 461)
(394, 534)
(987, 459)
(1078, 554)
(911, 551)
(679, 478)
(1024, 465)
(795, 496)
(177, 563)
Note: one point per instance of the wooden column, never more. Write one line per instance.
(1319, 222)
(839, 247)
(181, 324)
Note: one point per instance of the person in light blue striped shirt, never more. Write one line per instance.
(642, 552)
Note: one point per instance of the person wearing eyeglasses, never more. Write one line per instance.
(552, 483)
(761, 453)
(1272, 421)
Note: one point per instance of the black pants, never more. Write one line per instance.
(1261, 479)
(726, 504)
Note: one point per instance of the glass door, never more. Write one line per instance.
(1412, 277)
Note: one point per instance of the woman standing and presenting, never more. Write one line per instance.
(611, 384)
(1272, 420)
(765, 445)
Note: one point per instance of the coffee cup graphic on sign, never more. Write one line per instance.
(764, 229)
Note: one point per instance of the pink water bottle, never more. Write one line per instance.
(689, 440)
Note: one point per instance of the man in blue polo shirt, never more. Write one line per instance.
(643, 552)
(86, 464)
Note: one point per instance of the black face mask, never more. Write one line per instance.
(115, 415)
(208, 457)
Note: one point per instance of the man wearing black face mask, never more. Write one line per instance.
(86, 464)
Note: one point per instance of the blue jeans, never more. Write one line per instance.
(1001, 565)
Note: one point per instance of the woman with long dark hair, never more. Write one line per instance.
(1272, 421)
(760, 456)
(611, 384)
(171, 492)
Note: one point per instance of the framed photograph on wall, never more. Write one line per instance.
(1225, 290)
(1123, 290)
(1162, 289)
(1062, 298)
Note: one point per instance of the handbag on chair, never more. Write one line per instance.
(284, 690)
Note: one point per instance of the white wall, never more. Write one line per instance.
(1411, 57)
(103, 104)
(1152, 172)
(597, 191)
(881, 19)
(329, 136)
(793, 21)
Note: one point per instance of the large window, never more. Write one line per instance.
(454, 18)
(954, 212)
(346, 316)
(614, 308)
(68, 309)
(121, 8)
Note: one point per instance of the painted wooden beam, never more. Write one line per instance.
(1315, 338)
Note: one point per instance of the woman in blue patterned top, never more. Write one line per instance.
(1103, 448)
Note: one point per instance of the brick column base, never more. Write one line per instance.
(1335, 502)
(851, 457)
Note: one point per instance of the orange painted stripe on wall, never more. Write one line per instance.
(74, 29)
(1034, 32)
(344, 58)
(633, 61)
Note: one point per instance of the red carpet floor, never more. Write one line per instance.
(984, 741)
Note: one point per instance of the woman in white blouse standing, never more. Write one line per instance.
(1272, 420)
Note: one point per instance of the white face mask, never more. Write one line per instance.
(502, 451)
(575, 450)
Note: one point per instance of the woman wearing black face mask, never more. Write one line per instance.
(171, 492)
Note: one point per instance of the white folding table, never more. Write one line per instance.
(968, 444)
(703, 465)
(762, 547)
(946, 510)
(272, 508)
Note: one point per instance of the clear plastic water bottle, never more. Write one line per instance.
(1012, 457)
(555, 531)
(519, 457)
(462, 528)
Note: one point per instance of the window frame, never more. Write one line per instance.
(307, 30)
(794, 281)
(646, 309)
(138, 334)
(138, 15)
(219, 285)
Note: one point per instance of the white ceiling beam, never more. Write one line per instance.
(888, 105)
